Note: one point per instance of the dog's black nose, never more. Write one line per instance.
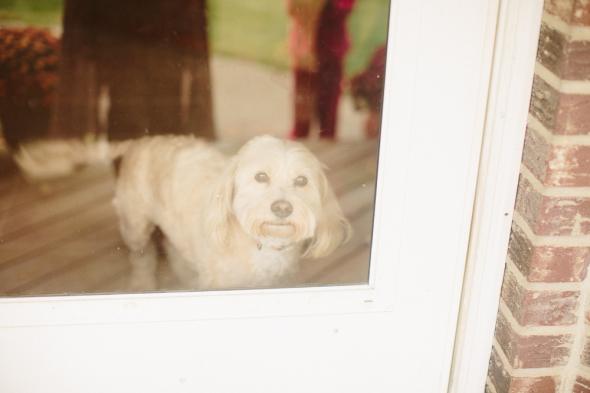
(281, 208)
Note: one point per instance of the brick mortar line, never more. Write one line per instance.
(556, 192)
(518, 219)
(549, 77)
(556, 140)
(535, 124)
(575, 359)
(564, 86)
(584, 371)
(525, 372)
(552, 241)
(534, 330)
(490, 385)
(573, 33)
(526, 173)
(540, 286)
(556, 23)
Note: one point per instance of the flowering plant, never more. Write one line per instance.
(367, 86)
(28, 66)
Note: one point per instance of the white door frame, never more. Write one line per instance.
(506, 119)
(395, 334)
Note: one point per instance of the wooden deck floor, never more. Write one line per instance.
(62, 237)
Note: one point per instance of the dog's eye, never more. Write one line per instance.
(261, 177)
(301, 181)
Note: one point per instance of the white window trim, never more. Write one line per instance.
(437, 84)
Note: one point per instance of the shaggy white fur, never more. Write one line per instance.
(229, 223)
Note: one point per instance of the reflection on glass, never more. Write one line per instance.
(119, 120)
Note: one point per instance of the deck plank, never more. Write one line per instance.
(80, 277)
(28, 271)
(54, 235)
(352, 270)
(356, 174)
(23, 220)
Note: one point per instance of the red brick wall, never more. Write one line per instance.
(542, 339)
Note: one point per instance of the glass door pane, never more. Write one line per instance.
(84, 211)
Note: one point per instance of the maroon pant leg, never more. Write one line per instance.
(305, 96)
(329, 79)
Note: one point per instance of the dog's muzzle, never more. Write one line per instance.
(281, 209)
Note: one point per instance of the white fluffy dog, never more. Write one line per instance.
(229, 223)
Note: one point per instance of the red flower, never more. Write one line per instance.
(28, 66)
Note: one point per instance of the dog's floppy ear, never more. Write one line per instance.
(332, 228)
(220, 220)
